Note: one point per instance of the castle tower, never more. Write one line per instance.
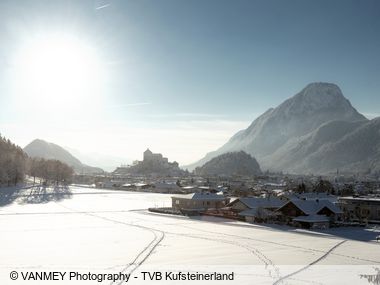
(147, 154)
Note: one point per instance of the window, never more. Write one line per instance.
(177, 202)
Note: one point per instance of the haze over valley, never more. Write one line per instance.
(316, 131)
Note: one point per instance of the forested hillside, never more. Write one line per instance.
(12, 163)
(231, 163)
(15, 164)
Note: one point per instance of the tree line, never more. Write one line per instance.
(15, 164)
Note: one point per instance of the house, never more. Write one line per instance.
(312, 221)
(111, 184)
(246, 203)
(310, 213)
(256, 209)
(166, 187)
(362, 208)
(128, 186)
(259, 215)
(196, 202)
(309, 196)
(318, 196)
(191, 189)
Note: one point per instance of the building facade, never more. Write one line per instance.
(198, 201)
(365, 208)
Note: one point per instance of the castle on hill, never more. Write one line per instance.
(157, 159)
(152, 164)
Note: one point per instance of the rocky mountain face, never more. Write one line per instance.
(228, 164)
(315, 131)
(42, 149)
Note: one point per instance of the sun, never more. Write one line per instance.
(58, 70)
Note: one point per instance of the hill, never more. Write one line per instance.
(229, 164)
(42, 149)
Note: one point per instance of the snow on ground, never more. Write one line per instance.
(84, 229)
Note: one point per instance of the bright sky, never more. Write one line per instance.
(179, 77)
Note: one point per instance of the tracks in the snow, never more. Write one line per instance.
(273, 268)
(143, 254)
(279, 281)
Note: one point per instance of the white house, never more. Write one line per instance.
(198, 201)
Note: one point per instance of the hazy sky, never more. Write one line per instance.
(180, 77)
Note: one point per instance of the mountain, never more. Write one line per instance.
(42, 149)
(296, 136)
(228, 164)
(356, 151)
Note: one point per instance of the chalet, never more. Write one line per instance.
(255, 209)
(318, 196)
(312, 221)
(259, 215)
(197, 202)
(246, 203)
(309, 196)
(310, 213)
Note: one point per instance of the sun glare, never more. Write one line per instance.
(58, 70)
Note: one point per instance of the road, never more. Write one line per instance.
(101, 231)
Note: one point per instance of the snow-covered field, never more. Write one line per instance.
(100, 231)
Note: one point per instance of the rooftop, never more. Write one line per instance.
(255, 202)
(312, 207)
(362, 198)
(201, 196)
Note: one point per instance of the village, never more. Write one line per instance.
(311, 202)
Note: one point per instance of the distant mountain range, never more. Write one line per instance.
(104, 161)
(42, 149)
(315, 131)
(231, 163)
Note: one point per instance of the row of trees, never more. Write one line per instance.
(324, 186)
(15, 164)
(50, 170)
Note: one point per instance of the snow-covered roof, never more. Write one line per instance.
(312, 207)
(201, 196)
(277, 191)
(166, 185)
(320, 196)
(311, 196)
(140, 184)
(275, 184)
(312, 219)
(190, 187)
(204, 187)
(255, 212)
(257, 202)
(289, 196)
(362, 198)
